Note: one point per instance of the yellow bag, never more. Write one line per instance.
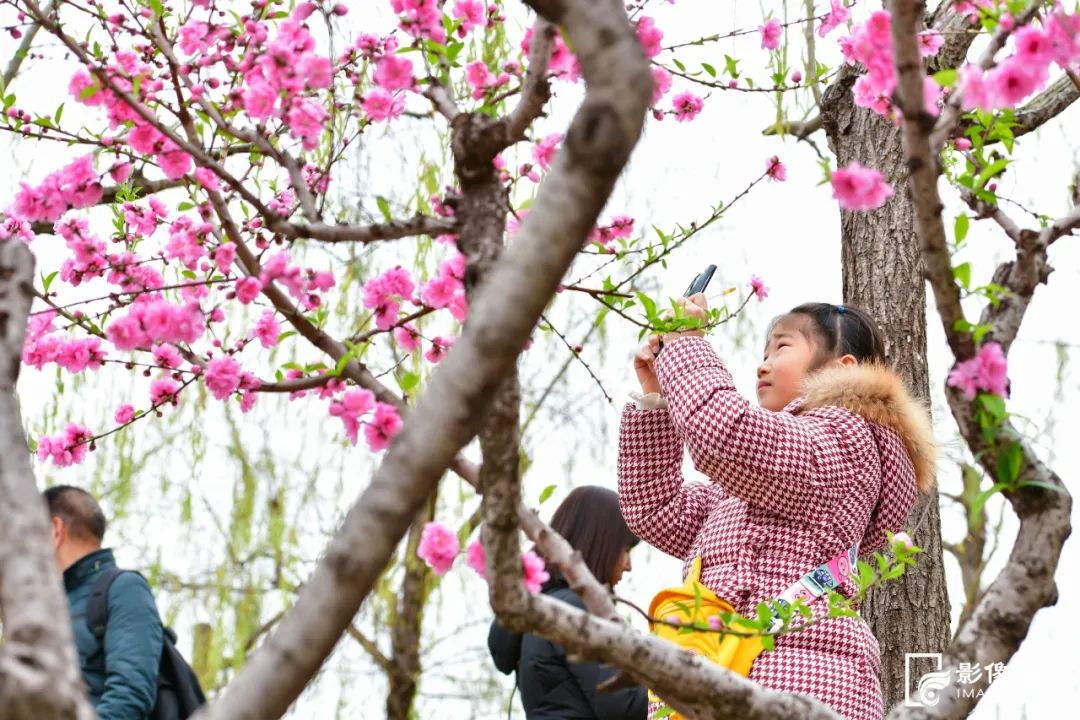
(680, 604)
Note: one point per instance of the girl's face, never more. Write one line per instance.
(621, 565)
(789, 358)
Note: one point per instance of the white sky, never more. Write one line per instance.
(786, 233)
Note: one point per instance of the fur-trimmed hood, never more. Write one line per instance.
(879, 395)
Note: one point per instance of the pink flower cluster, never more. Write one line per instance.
(275, 80)
(303, 285)
(421, 18)
(481, 80)
(1027, 69)
(88, 259)
(987, 371)
(379, 429)
(838, 15)
(76, 185)
(67, 449)
(471, 13)
(771, 32)
(620, 227)
(152, 320)
(859, 188)
(11, 227)
(41, 346)
(447, 289)
(563, 64)
(649, 36)
(439, 547)
(385, 293)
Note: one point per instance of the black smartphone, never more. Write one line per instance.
(700, 281)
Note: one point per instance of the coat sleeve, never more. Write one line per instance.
(133, 638)
(627, 704)
(505, 648)
(658, 506)
(789, 464)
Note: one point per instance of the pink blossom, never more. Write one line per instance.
(758, 286)
(380, 105)
(838, 15)
(267, 329)
(124, 414)
(1033, 45)
(439, 346)
(163, 390)
(543, 152)
(1013, 80)
(350, 407)
(207, 178)
(67, 449)
(259, 99)
(961, 143)
(144, 139)
(770, 34)
(535, 573)
(474, 558)
(306, 120)
(987, 371)
(860, 188)
(775, 169)
(192, 37)
(479, 78)
(222, 376)
(175, 163)
(393, 73)
(439, 291)
(166, 356)
(686, 106)
(661, 84)
(974, 91)
(471, 13)
(407, 338)
(930, 43)
(76, 185)
(649, 36)
(383, 426)
(438, 547)
(247, 289)
(224, 256)
(120, 172)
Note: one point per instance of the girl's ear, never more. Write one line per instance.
(847, 360)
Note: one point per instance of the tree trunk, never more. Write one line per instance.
(883, 274)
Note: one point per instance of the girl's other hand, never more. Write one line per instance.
(643, 365)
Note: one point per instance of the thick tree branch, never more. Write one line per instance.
(393, 230)
(924, 171)
(39, 675)
(142, 187)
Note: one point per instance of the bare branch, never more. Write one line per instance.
(994, 212)
(393, 230)
(442, 98)
(801, 129)
(537, 89)
(370, 648)
(23, 50)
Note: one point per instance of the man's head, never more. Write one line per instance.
(78, 525)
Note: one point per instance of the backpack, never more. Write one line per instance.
(179, 694)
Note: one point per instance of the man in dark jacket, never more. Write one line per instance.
(552, 687)
(121, 674)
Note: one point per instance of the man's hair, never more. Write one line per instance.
(79, 511)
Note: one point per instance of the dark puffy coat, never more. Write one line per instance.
(128, 687)
(552, 688)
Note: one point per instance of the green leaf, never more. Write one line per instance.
(1010, 462)
(664, 711)
(408, 381)
(1044, 485)
(59, 114)
(980, 499)
(994, 405)
(962, 273)
(546, 493)
(709, 69)
(648, 305)
(731, 65)
(46, 281)
(682, 68)
(960, 229)
(384, 207)
(185, 206)
(947, 77)
(768, 642)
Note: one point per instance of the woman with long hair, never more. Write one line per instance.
(551, 686)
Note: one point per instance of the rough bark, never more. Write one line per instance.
(39, 675)
(883, 274)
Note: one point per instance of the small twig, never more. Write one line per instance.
(573, 350)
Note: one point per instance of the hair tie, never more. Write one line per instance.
(841, 309)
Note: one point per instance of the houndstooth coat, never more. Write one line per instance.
(789, 491)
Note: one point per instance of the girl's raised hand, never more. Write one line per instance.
(695, 306)
(643, 365)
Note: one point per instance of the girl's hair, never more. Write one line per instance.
(843, 330)
(590, 520)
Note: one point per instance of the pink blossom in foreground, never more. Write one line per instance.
(770, 34)
(124, 414)
(543, 152)
(987, 371)
(661, 84)
(535, 573)
(758, 287)
(267, 329)
(393, 73)
(471, 13)
(930, 43)
(474, 558)
(407, 338)
(649, 36)
(222, 377)
(860, 188)
(439, 347)
(438, 547)
(163, 390)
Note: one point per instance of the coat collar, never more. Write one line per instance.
(87, 566)
(880, 396)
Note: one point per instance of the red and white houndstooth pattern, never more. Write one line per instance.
(789, 492)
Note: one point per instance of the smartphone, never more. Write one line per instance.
(700, 281)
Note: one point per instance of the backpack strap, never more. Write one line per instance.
(97, 604)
